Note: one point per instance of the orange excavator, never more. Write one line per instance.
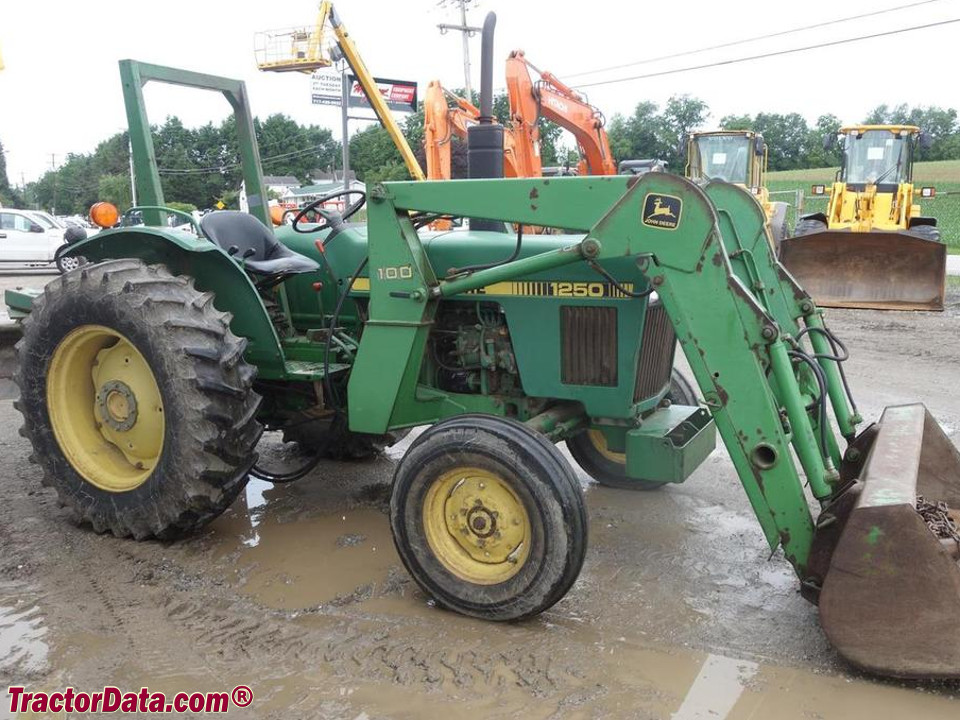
(441, 122)
(561, 104)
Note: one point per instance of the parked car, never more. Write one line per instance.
(31, 239)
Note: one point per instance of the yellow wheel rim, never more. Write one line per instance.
(599, 442)
(105, 408)
(476, 525)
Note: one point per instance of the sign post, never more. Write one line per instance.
(345, 121)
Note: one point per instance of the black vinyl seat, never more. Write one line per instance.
(228, 228)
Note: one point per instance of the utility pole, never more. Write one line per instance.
(53, 167)
(468, 32)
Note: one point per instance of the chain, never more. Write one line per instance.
(937, 517)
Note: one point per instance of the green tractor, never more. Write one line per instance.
(148, 375)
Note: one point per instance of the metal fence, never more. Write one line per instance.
(945, 207)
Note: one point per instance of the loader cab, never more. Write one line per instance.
(737, 157)
(880, 156)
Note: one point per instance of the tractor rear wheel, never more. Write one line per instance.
(136, 399)
(331, 438)
(608, 467)
(488, 518)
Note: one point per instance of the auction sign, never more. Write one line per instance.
(400, 95)
(326, 88)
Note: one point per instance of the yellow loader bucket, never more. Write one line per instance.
(880, 270)
(890, 601)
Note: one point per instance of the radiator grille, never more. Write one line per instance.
(589, 339)
(656, 353)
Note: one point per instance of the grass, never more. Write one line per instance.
(944, 175)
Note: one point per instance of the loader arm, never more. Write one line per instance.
(737, 318)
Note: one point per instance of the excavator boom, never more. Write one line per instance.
(561, 104)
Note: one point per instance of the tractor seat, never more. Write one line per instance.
(228, 228)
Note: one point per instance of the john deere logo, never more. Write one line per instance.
(661, 211)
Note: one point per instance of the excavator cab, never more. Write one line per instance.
(872, 248)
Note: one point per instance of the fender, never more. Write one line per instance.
(213, 270)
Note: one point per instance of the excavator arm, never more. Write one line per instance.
(441, 123)
(561, 104)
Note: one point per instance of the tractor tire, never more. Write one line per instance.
(927, 232)
(609, 468)
(332, 439)
(682, 391)
(808, 226)
(136, 399)
(488, 518)
(66, 264)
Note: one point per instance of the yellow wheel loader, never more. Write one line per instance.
(872, 248)
(739, 157)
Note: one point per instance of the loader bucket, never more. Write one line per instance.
(880, 270)
(890, 601)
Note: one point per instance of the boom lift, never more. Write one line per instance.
(872, 248)
(305, 50)
(739, 157)
(560, 103)
(146, 378)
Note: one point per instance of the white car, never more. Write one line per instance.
(31, 239)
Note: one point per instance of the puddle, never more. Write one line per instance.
(23, 645)
(338, 559)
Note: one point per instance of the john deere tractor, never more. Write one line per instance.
(739, 157)
(148, 375)
(872, 247)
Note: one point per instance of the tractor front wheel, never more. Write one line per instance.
(488, 518)
(608, 467)
(136, 399)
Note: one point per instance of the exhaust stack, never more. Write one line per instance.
(485, 140)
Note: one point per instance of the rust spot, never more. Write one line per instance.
(718, 258)
(699, 268)
(533, 206)
(721, 393)
(546, 182)
(534, 194)
(632, 180)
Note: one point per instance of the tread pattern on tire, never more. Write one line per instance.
(210, 407)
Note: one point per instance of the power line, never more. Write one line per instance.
(231, 166)
(734, 61)
(744, 41)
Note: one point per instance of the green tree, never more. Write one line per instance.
(680, 116)
(115, 189)
(939, 123)
(8, 196)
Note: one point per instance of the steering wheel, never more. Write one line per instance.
(331, 219)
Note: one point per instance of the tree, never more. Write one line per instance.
(681, 115)
(939, 123)
(8, 196)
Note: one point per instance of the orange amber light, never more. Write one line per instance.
(276, 214)
(104, 215)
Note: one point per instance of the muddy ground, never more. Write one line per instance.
(297, 592)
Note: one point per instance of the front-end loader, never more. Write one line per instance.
(871, 248)
(739, 157)
(147, 376)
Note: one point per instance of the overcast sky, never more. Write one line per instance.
(60, 92)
